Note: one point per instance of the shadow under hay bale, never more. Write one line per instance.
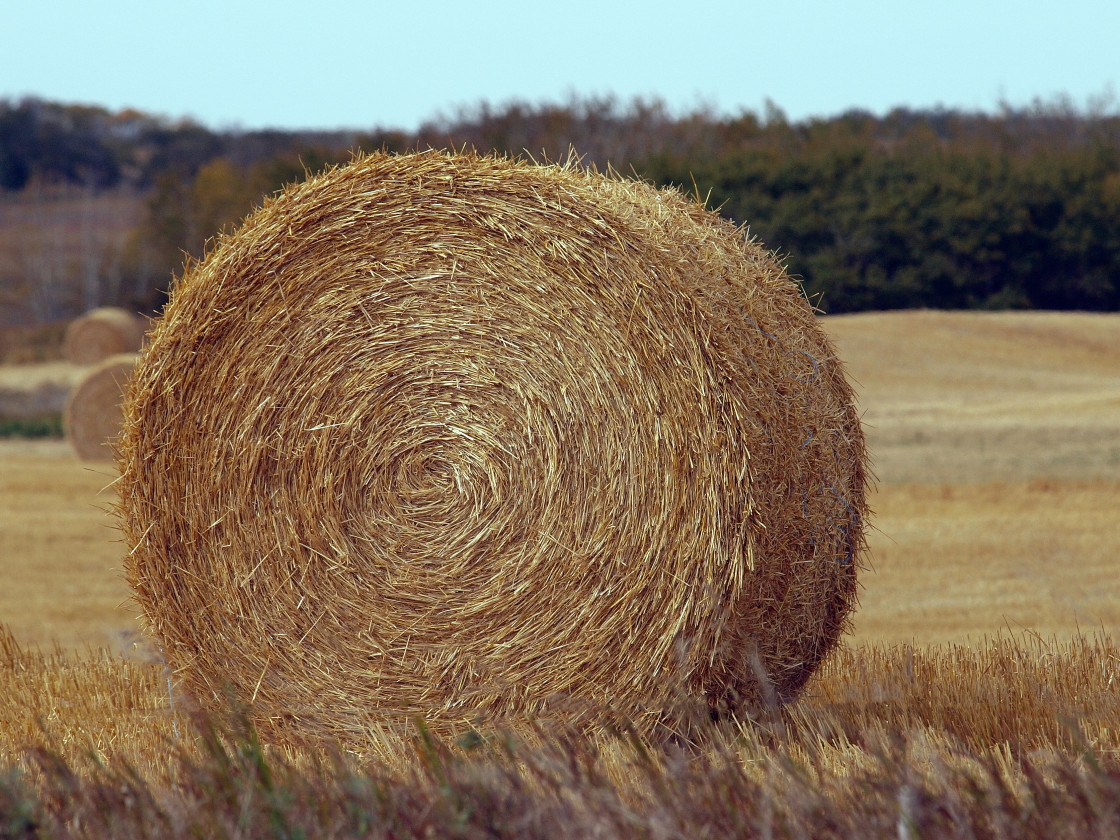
(92, 417)
(447, 435)
(101, 333)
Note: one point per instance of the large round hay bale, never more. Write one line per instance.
(92, 417)
(448, 435)
(101, 333)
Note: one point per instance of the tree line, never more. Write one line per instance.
(1019, 208)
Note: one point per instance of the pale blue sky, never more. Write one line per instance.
(334, 63)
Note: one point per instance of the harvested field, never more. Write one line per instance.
(957, 562)
(953, 397)
(889, 742)
(974, 693)
(1027, 529)
(949, 562)
(60, 554)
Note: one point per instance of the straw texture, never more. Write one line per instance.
(101, 333)
(448, 435)
(92, 417)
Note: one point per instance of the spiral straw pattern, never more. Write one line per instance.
(446, 435)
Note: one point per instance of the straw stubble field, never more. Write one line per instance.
(983, 645)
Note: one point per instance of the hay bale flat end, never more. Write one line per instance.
(449, 435)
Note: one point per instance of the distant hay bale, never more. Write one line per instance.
(92, 417)
(102, 333)
(447, 435)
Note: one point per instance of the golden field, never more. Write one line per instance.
(979, 695)
(995, 439)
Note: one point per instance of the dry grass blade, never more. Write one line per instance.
(448, 436)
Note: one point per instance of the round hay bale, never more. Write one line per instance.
(102, 333)
(448, 435)
(92, 417)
